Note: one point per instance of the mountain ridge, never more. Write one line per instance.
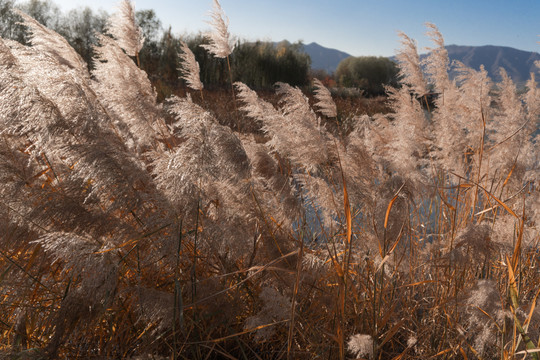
(323, 58)
(517, 63)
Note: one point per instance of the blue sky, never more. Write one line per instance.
(361, 27)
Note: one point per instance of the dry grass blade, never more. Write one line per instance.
(343, 272)
(505, 201)
(258, 270)
(463, 353)
(515, 305)
(506, 207)
(32, 277)
(387, 255)
(512, 283)
(337, 267)
(237, 334)
(528, 351)
(509, 174)
(501, 203)
(392, 332)
(509, 136)
(517, 248)
(531, 312)
(442, 352)
(348, 216)
(390, 204)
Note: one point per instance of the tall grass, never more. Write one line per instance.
(132, 229)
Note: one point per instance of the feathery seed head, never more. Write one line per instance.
(190, 68)
(409, 65)
(437, 61)
(221, 44)
(52, 43)
(326, 104)
(361, 345)
(123, 28)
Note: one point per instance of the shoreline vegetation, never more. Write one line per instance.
(240, 224)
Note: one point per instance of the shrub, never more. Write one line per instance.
(368, 73)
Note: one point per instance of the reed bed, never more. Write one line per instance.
(134, 229)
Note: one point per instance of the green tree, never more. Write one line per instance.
(80, 27)
(262, 64)
(164, 73)
(369, 73)
(46, 12)
(8, 20)
(150, 54)
(150, 24)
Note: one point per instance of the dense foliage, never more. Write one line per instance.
(368, 73)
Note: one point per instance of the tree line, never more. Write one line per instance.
(258, 64)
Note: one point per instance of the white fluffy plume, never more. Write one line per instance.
(437, 62)
(221, 44)
(361, 345)
(50, 42)
(409, 65)
(124, 29)
(326, 104)
(190, 68)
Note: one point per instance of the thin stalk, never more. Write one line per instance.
(295, 293)
(480, 155)
(177, 295)
(345, 261)
(194, 268)
(202, 95)
(234, 95)
(452, 262)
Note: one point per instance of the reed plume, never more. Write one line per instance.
(190, 69)
(221, 44)
(123, 28)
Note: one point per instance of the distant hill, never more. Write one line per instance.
(517, 63)
(323, 58)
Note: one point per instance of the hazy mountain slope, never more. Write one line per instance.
(517, 63)
(323, 58)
